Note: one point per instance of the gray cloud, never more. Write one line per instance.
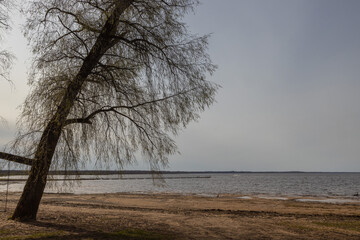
(290, 77)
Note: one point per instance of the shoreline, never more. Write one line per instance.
(168, 215)
(281, 197)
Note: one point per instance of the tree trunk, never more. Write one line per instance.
(28, 204)
(30, 199)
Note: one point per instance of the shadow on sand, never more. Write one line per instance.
(62, 231)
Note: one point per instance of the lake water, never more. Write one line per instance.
(344, 185)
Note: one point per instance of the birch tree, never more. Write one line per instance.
(110, 79)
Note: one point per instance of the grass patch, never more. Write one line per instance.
(2, 232)
(127, 234)
(42, 235)
(346, 225)
(135, 234)
(296, 226)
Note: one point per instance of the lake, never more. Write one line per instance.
(269, 184)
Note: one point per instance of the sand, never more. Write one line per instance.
(170, 216)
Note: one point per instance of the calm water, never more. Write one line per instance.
(270, 184)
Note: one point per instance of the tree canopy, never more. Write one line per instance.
(150, 82)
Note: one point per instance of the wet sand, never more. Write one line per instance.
(170, 216)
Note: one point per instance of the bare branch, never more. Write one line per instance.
(17, 159)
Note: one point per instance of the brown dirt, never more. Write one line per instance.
(168, 216)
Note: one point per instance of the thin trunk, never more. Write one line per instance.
(28, 204)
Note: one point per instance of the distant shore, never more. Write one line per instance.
(111, 172)
(105, 178)
(165, 216)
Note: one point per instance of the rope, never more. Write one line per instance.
(7, 186)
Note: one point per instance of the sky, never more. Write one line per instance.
(290, 88)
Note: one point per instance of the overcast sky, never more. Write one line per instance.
(289, 71)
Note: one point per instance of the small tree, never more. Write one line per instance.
(111, 78)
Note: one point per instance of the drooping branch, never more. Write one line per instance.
(134, 94)
(17, 159)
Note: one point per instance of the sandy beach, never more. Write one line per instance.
(169, 216)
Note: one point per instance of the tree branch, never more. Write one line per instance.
(77, 120)
(17, 159)
(112, 109)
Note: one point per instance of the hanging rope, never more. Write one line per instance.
(7, 186)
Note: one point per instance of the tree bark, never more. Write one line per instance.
(28, 204)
